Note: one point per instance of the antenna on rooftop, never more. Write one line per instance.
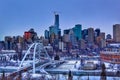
(56, 12)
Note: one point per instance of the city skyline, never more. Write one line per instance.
(19, 16)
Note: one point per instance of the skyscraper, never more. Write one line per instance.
(56, 20)
(72, 37)
(27, 35)
(116, 32)
(57, 30)
(84, 34)
(51, 30)
(102, 35)
(78, 31)
(54, 29)
(54, 33)
(51, 33)
(8, 42)
(97, 32)
(46, 33)
(66, 31)
(90, 35)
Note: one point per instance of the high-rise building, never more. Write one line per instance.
(97, 36)
(84, 34)
(19, 39)
(102, 35)
(116, 32)
(56, 24)
(103, 43)
(66, 38)
(46, 34)
(30, 36)
(51, 30)
(72, 38)
(97, 32)
(57, 30)
(66, 31)
(33, 34)
(54, 29)
(8, 43)
(82, 44)
(90, 35)
(27, 35)
(59, 33)
(78, 31)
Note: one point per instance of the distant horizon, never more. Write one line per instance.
(19, 16)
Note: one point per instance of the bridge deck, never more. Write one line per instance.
(82, 72)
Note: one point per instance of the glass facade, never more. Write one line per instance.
(78, 31)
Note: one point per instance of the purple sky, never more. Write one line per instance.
(17, 16)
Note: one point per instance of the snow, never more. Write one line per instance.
(36, 75)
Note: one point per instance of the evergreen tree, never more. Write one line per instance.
(103, 73)
(70, 77)
(3, 75)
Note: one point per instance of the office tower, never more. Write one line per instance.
(57, 31)
(66, 38)
(82, 44)
(33, 34)
(116, 32)
(97, 32)
(30, 36)
(56, 20)
(103, 43)
(19, 39)
(97, 36)
(51, 34)
(46, 34)
(27, 35)
(72, 37)
(54, 29)
(91, 35)
(102, 35)
(51, 30)
(78, 31)
(85, 34)
(66, 31)
(98, 40)
(8, 43)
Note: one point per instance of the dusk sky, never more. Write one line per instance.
(17, 16)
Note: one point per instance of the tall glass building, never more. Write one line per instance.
(56, 20)
(46, 34)
(78, 31)
(51, 30)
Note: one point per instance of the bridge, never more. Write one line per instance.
(38, 58)
(38, 61)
